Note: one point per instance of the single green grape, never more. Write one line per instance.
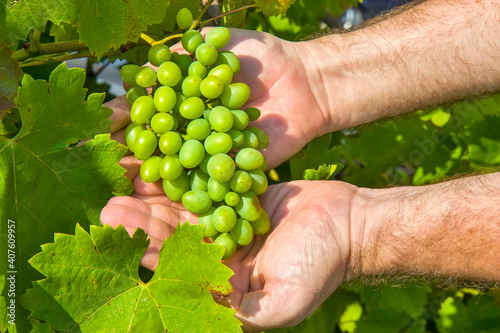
(232, 198)
(249, 206)
(207, 220)
(217, 143)
(150, 169)
(221, 119)
(134, 93)
(197, 202)
(217, 190)
(169, 74)
(218, 37)
(240, 120)
(242, 232)
(261, 137)
(145, 144)
(235, 95)
(211, 87)
(142, 110)
(170, 167)
(127, 72)
(223, 72)
(184, 18)
(253, 113)
(221, 167)
(198, 129)
(238, 138)
(165, 98)
(251, 140)
(180, 99)
(204, 163)
(206, 54)
(249, 159)
(145, 77)
(131, 133)
(229, 244)
(191, 153)
(224, 218)
(192, 108)
(191, 40)
(228, 58)
(191, 86)
(175, 189)
(241, 182)
(262, 225)
(184, 62)
(158, 54)
(162, 122)
(170, 143)
(198, 180)
(197, 69)
(259, 181)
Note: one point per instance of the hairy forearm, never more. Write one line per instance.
(432, 53)
(451, 229)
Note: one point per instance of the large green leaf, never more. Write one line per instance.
(46, 183)
(105, 25)
(23, 15)
(95, 279)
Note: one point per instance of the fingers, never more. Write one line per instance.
(158, 217)
(144, 188)
(121, 113)
(132, 165)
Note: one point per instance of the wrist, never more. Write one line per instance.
(370, 212)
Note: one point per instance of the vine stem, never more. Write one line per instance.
(166, 39)
(49, 48)
(228, 13)
(198, 19)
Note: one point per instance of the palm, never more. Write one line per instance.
(297, 265)
(273, 70)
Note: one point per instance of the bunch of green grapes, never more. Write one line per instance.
(191, 133)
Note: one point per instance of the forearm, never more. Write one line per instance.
(435, 52)
(451, 229)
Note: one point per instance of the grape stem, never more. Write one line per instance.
(227, 13)
(198, 19)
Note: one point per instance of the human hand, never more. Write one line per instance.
(295, 267)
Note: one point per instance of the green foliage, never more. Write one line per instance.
(46, 181)
(315, 154)
(9, 75)
(95, 279)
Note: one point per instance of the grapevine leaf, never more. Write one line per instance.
(273, 7)
(324, 172)
(237, 19)
(108, 289)
(381, 320)
(46, 186)
(408, 299)
(8, 125)
(316, 153)
(418, 326)
(452, 316)
(33, 14)
(10, 74)
(349, 318)
(105, 25)
(483, 138)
